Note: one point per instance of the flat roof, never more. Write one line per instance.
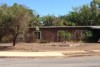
(63, 27)
(95, 27)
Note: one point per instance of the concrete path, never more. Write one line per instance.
(30, 54)
(48, 53)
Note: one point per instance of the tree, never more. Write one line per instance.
(3, 19)
(80, 16)
(85, 15)
(49, 20)
(95, 5)
(62, 21)
(35, 21)
(73, 17)
(20, 18)
(15, 19)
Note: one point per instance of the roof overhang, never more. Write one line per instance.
(68, 27)
(95, 27)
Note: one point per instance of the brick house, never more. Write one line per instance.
(51, 33)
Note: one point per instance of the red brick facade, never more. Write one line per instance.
(50, 34)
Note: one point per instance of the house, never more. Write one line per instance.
(52, 33)
(57, 34)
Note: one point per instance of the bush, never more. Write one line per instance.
(64, 35)
(61, 33)
(88, 36)
(5, 39)
(68, 35)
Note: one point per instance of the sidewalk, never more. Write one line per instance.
(49, 54)
(30, 54)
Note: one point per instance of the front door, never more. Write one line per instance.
(37, 35)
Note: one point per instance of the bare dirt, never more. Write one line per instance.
(36, 47)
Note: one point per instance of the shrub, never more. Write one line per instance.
(64, 35)
(68, 35)
(61, 34)
(88, 36)
(5, 39)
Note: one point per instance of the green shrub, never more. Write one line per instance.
(64, 35)
(5, 39)
(68, 35)
(88, 36)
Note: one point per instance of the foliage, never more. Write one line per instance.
(5, 39)
(15, 19)
(80, 16)
(49, 20)
(63, 35)
(68, 35)
(97, 1)
(88, 34)
(85, 15)
(35, 21)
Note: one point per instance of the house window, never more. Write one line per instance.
(37, 35)
(78, 34)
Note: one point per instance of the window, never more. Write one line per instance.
(37, 35)
(78, 34)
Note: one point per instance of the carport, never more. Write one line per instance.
(96, 33)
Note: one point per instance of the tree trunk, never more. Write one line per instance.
(14, 39)
(1, 38)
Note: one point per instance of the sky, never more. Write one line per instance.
(51, 7)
